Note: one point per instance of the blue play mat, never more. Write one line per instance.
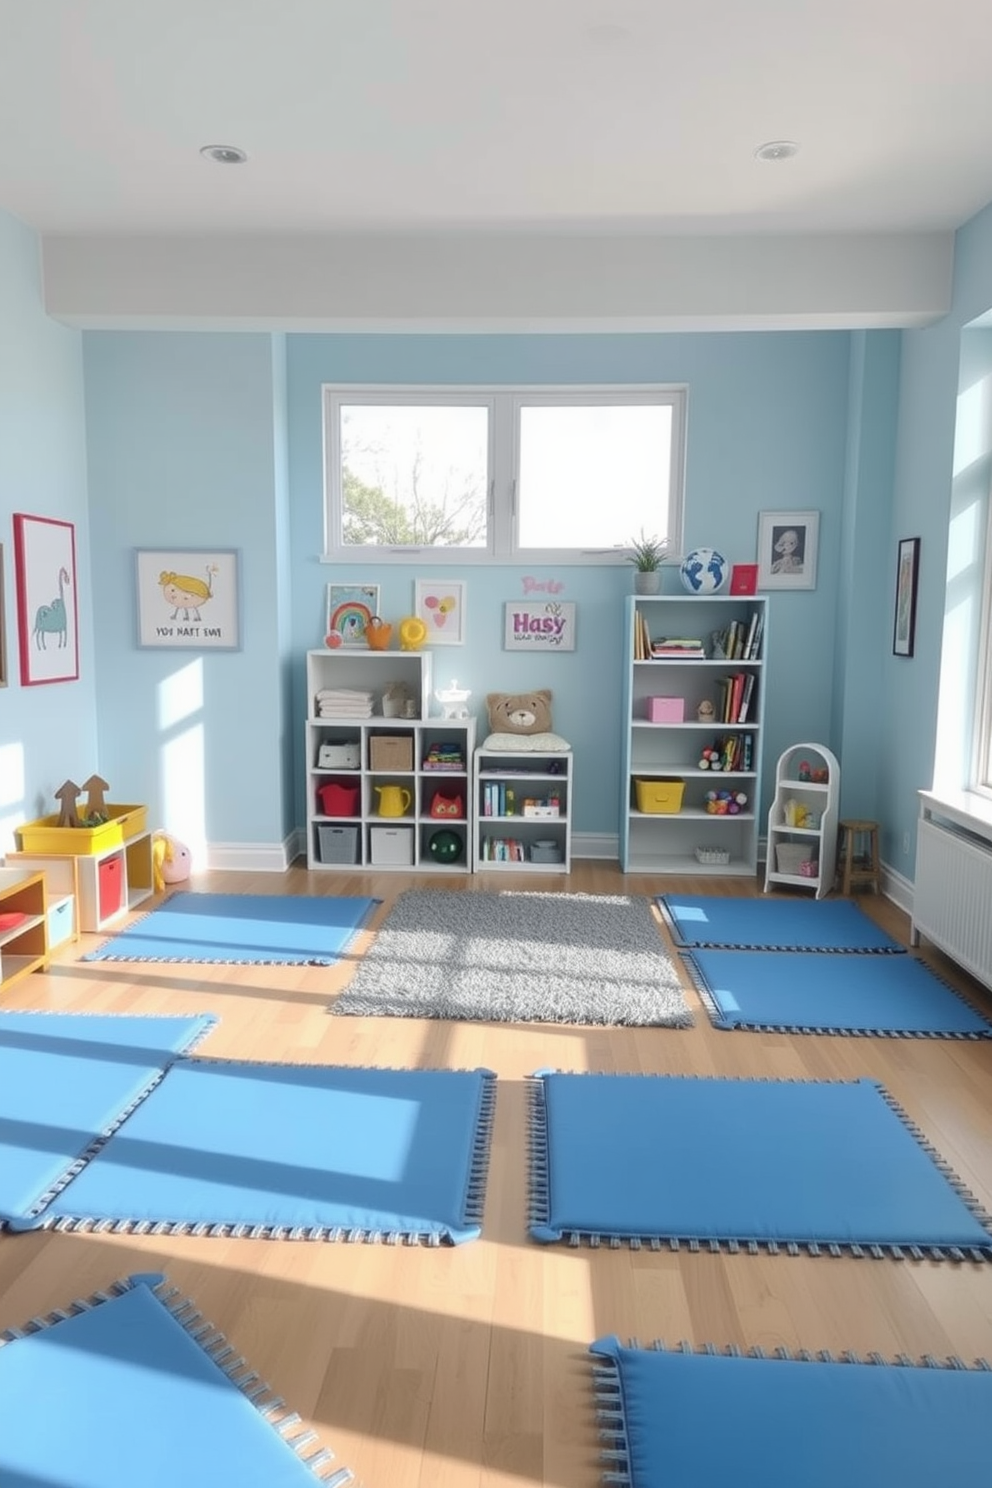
(772, 924)
(804, 992)
(114, 1390)
(295, 1151)
(711, 1420)
(66, 1079)
(242, 930)
(821, 1165)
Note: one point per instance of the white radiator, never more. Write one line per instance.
(952, 896)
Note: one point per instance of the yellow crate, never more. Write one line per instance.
(659, 797)
(133, 819)
(46, 836)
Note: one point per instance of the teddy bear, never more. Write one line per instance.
(522, 721)
(519, 712)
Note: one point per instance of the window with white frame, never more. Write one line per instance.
(551, 474)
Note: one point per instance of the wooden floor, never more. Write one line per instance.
(467, 1366)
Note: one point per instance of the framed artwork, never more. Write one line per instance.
(350, 607)
(440, 603)
(189, 599)
(907, 578)
(47, 608)
(538, 625)
(787, 543)
(3, 628)
(744, 578)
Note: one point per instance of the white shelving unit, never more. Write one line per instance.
(395, 755)
(802, 819)
(666, 754)
(515, 824)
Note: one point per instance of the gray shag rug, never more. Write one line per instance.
(518, 958)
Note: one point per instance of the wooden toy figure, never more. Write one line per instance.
(66, 797)
(96, 806)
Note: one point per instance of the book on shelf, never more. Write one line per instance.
(736, 693)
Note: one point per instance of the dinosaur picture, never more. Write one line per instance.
(51, 619)
(47, 601)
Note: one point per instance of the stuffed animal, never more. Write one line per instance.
(519, 712)
(171, 861)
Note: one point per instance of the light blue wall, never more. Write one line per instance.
(186, 449)
(943, 506)
(863, 610)
(767, 430)
(47, 733)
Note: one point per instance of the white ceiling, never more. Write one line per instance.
(564, 116)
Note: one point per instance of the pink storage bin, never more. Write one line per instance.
(666, 710)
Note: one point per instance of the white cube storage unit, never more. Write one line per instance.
(381, 788)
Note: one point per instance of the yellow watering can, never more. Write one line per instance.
(393, 800)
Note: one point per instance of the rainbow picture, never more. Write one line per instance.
(350, 607)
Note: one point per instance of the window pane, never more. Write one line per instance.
(593, 476)
(414, 475)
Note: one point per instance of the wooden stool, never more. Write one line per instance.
(858, 856)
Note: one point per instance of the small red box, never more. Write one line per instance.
(666, 710)
(744, 578)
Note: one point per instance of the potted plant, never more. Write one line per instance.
(647, 555)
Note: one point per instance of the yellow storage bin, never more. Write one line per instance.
(659, 796)
(46, 836)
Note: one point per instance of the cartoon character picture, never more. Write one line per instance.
(187, 594)
(787, 546)
(189, 598)
(52, 619)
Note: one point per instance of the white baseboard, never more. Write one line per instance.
(252, 857)
(596, 845)
(897, 888)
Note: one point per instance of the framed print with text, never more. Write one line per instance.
(189, 599)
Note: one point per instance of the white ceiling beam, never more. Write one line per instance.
(509, 282)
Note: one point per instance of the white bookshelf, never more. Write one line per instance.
(666, 754)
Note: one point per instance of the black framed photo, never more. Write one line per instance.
(907, 578)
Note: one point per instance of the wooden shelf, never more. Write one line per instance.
(88, 877)
(23, 947)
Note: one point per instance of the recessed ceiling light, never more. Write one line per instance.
(776, 150)
(224, 154)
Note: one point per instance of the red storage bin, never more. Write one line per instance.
(337, 799)
(110, 886)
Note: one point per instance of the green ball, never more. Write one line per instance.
(445, 846)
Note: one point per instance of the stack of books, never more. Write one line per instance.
(679, 648)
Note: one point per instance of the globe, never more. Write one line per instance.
(445, 846)
(704, 571)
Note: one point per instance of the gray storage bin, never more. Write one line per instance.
(337, 844)
(546, 852)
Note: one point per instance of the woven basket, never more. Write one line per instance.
(789, 856)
